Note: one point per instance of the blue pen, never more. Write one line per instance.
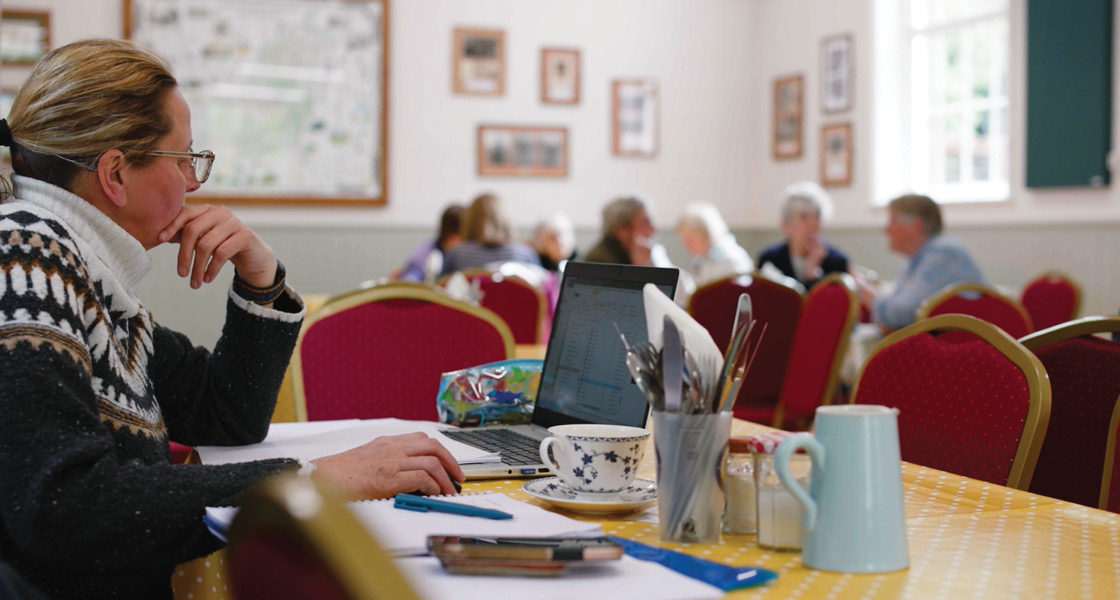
(422, 504)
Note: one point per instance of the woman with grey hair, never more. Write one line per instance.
(554, 239)
(706, 237)
(804, 255)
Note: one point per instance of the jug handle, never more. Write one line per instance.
(781, 465)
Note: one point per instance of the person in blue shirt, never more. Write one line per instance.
(935, 260)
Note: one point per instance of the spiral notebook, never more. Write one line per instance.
(405, 533)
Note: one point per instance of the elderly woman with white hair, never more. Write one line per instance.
(554, 239)
(804, 255)
(715, 253)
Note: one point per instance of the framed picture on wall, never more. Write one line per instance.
(479, 62)
(788, 103)
(836, 154)
(836, 73)
(559, 76)
(25, 36)
(287, 125)
(634, 110)
(522, 151)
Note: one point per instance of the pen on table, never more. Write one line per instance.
(422, 504)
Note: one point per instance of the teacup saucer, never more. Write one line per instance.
(639, 494)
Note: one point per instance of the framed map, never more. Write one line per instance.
(290, 95)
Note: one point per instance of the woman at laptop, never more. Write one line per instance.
(93, 387)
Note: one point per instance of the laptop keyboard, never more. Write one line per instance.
(516, 449)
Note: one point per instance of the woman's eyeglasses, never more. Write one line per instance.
(201, 162)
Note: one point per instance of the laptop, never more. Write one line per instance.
(584, 378)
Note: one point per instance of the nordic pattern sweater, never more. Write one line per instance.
(92, 389)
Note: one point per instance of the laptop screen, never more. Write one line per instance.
(584, 378)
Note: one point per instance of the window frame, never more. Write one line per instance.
(904, 157)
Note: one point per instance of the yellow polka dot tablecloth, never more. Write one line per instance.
(966, 538)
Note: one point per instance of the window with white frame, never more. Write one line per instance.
(943, 85)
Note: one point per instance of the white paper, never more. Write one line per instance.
(316, 439)
(404, 532)
(694, 336)
(624, 578)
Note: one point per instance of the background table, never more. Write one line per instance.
(967, 539)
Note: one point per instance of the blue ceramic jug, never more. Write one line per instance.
(853, 519)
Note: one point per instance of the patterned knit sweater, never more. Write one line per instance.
(91, 389)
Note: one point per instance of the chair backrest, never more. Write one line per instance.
(980, 301)
(1084, 375)
(379, 352)
(714, 306)
(291, 539)
(1050, 299)
(977, 408)
(522, 305)
(827, 317)
(1110, 482)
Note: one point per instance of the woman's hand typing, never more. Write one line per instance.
(390, 465)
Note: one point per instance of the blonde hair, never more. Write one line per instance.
(83, 99)
(705, 220)
(486, 222)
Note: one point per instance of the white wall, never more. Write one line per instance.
(716, 61)
(697, 50)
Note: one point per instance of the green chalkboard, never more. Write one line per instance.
(1069, 92)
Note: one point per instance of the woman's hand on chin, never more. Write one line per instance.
(208, 236)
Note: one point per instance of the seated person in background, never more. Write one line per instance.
(93, 386)
(487, 239)
(803, 255)
(426, 260)
(555, 240)
(935, 261)
(715, 253)
(628, 236)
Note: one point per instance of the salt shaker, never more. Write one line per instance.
(779, 513)
(740, 512)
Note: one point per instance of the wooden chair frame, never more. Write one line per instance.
(390, 291)
(542, 303)
(1109, 454)
(1038, 384)
(848, 284)
(955, 289)
(1070, 330)
(298, 507)
(1064, 277)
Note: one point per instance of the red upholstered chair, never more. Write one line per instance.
(977, 408)
(179, 452)
(1110, 483)
(1050, 299)
(827, 316)
(714, 306)
(379, 352)
(520, 303)
(978, 301)
(292, 540)
(1084, 375)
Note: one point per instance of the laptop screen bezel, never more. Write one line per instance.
(606, 272)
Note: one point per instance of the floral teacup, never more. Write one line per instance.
(595, 459)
